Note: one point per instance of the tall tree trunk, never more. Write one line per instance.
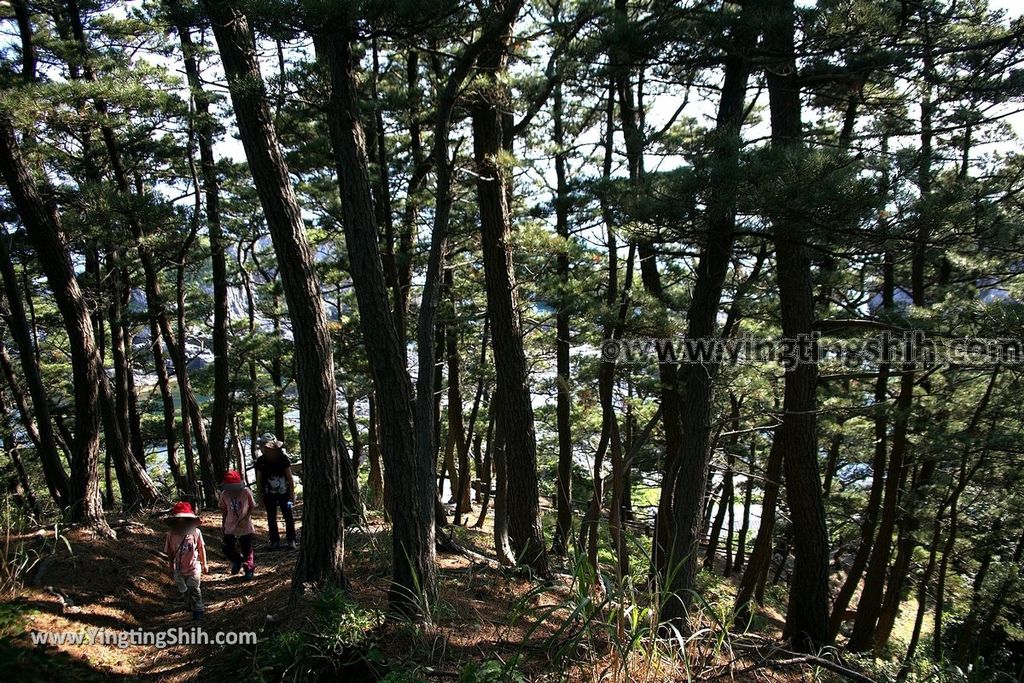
(44, 230)
(456, 427)
(118, 348)
(409, 477)
(807, 613)
(81, 65)
(513, 393)
(176, 344)
(612, 333)
(690, 470)
(321, 555)
(429, 334)
(136, 487)
(881, 438)
(872, 509)
(563, 409)
(184, 485)
(46, 446)
(204, 125)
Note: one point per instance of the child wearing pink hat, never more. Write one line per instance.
(236, 506)
(186, 552)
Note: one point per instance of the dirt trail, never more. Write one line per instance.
(123, 584)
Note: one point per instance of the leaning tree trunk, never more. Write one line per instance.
(81, 65)
(870, 602)
(409, 478)
(53, 471)
(44, 230)
(322, 552)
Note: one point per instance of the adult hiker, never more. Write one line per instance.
(276, 487)
(236, 506)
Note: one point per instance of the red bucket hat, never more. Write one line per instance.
(181, 510)
(232, 480)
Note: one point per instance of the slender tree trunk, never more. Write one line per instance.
(590, 524)
(870, 603)
(924, 582)
(46, 444)
(81, 65)
(872, 509)
(323, 544)
(11, 447)
(356, 439)
(807, 613)
(487, 465)
(832, 462)
(409, 477)
(725, 501)
(181, 482)
(44, 230)
(376, 497)
(513, 393)
(966, 643)
(563, 409)
(204, 124)
(456, 427)
(191, 411)
(756, 575)
(118, 349)
(741, 539)
(690, 470)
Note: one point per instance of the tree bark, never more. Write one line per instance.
(44, 230)
(563, 408)
(513, 393)
(321, 555)
(53, 471)
(502, 546)
(409, 477)
(807, 613)
(690, 469)
(204, 124)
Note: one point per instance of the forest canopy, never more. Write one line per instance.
(697, 322)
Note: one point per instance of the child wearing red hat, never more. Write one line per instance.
(236, 506)
(186, 552)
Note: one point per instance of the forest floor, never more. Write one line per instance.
(486, 620)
